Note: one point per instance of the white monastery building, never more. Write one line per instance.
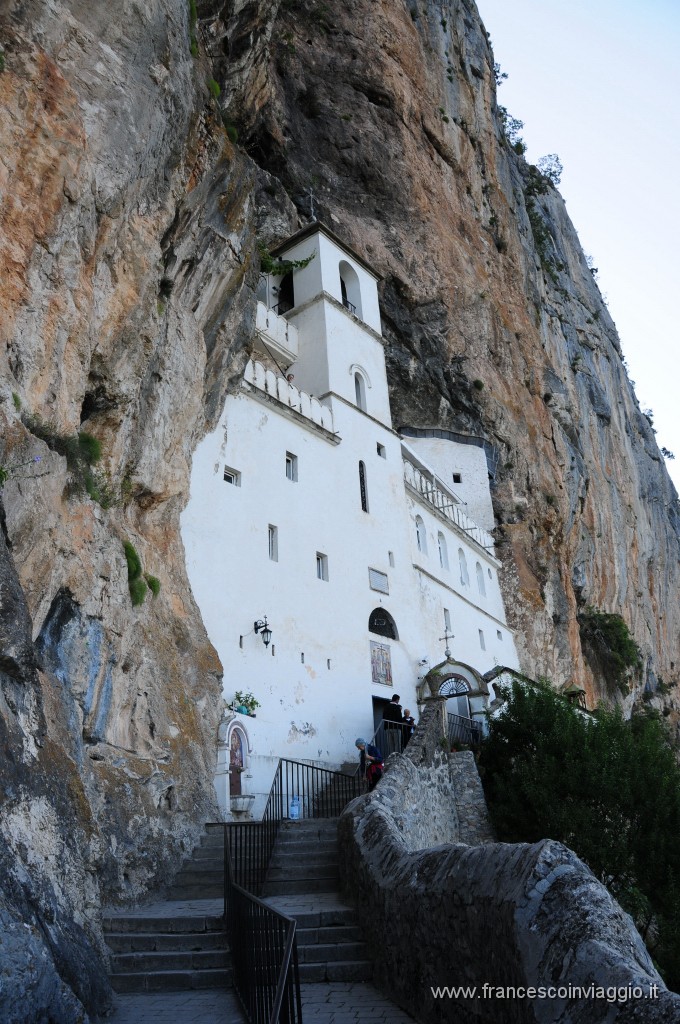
(365, 552)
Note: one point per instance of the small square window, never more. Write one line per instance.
(321, 566)
(273, 532)
(381, 450)
(378, 581)
(457, 478)
(232, 476)
(291, 466)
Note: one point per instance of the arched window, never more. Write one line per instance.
(360, 391)
(349, 288)
(443, 552)
(362, 487)
(480, 579)
(286, 293)
(382, 623)
(464, 575)
(421, 535)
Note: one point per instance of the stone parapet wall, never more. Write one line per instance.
(441, 913)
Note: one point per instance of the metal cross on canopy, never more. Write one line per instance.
(447, 636)
(310, 192)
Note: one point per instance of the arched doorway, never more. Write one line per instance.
(462, 730)
(237, 760)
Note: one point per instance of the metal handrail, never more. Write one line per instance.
(255, 927)
(264, 954)
(463, 730)
(350, 306)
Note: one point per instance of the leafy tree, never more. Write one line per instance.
(551, 167)
(607, 788)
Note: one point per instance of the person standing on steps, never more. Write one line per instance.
(370, 762)
(393, 719)
(408, 725)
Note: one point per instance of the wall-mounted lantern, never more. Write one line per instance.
(262, 626)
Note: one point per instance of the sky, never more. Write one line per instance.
(598, 83)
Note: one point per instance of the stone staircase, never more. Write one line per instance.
(303, 882)
(162, 951)
(180, 943)
(202, 875)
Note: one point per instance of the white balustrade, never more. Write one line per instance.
(445, 504)
(288, 395)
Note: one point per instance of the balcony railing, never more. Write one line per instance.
(445, 503)
(350, 306)
(279, 388)
(277, 333)
(463, 731)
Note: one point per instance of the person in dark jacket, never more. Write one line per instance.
(370, 762)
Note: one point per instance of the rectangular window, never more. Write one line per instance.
(381, 664)
(381, 450)
(457, 478)
(291, 466)
(378, 581)
(499, 634)
(232, 476)
(273, 532)
(482, 642)
(390, 556)
(447, 620)
(321, 566)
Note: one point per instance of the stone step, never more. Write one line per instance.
(210, 854)
(134, 942)
(329, 933)
(299, 886)
(330, 918)
(303, 869)
(150, 962)
(284, 858)
(199, 876)
(195, 891)
(171, 981)
(167, 925)
(329, 952)
(359, 970)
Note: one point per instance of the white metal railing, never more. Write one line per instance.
(445, 503)
(280, 389)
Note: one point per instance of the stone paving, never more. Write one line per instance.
(328, 1003)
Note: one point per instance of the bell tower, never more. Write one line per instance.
(333, 303)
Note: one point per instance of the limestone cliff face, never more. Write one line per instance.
(387, 113)
(128, 223)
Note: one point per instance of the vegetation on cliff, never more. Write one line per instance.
(607, 788)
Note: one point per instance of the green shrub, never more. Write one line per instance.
(607, 788)
(268, 265)
(82, 451)
(231, 130)
(16, 401)
(214, 88)
(90, 449)
(138, 590)
(606, 637)
(478, 384)
(134, 562)
(153, 583)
